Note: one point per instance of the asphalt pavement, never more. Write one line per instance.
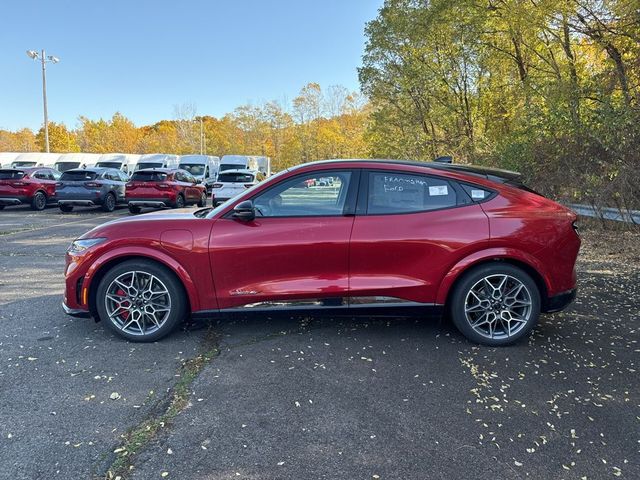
(298, 398)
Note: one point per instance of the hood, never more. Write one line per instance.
(146, 219)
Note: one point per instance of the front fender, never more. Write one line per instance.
(151, 254)
(489, 254)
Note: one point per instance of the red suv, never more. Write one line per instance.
(161, 187)
(372, 235)
(35, 186)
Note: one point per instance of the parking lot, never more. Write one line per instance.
(312, 397)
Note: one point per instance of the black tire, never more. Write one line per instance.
(203, 200)
(109, 203)
(178, 308)
(498, 309)
(2, 207)
(179, 201)
(39, 201)
(66, 208)
(134, 210)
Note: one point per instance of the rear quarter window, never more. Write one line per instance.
(393, 192)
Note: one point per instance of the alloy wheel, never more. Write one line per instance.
(138, 303)
(498, 306)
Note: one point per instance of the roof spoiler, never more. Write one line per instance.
(493, 174)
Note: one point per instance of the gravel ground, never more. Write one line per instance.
(318, 397)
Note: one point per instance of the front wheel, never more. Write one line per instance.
(39, 201)
(203, 200)
(141, 301)
(495, 304)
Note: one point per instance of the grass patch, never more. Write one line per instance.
(138, 437)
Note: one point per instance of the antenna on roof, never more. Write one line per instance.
(444, 159)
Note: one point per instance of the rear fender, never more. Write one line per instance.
(483, 256)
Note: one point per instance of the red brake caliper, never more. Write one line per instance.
(125, 304)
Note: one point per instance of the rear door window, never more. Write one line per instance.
(394, 192)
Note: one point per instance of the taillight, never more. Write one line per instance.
(217, 185)
(92, 184)
(163, 185)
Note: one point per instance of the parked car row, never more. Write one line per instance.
(98, 186)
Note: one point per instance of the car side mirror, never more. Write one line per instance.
(244, 211)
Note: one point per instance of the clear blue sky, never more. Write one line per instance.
(142, 57)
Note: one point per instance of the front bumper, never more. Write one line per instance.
(560, 301)
(75, 312)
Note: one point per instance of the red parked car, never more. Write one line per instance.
(35, 186)
(162, 187)
(472, 242)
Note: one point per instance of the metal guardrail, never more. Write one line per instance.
(608, 213)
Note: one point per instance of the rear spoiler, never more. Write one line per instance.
(507, 177)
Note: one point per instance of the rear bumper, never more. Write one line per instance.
(75, 312)
(154, 203)
(80, 203)
(560, 301)
(13, 200)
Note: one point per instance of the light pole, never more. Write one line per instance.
(44, 60)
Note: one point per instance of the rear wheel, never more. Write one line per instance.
(495, 304)
(203, 200)
(66, 208)
(39, 201)
(179, 201)
(109, 204)
(133, 209)
(141, 300)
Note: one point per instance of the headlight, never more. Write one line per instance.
(79, 246)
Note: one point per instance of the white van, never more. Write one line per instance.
(124, 162)
(203, 167)
(157, 160)
(6, 158)
(35, 159)
(246, 162)
(69, 161)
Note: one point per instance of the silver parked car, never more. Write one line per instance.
(89, 187)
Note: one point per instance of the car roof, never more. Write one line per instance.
(161, 170)
(92, 169)
(238, 170)
(488, 173)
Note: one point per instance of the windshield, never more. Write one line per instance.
(149, 177)
(11, 174)
(140, 166)
(235, 177)
(24, 164)
(64, 166)
(231, 166)
(115, 165)
(193, 168)
(78, 176)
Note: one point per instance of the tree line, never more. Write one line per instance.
(318, 123)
